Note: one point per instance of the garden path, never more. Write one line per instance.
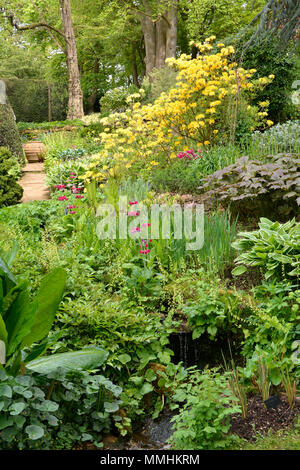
(33, 183)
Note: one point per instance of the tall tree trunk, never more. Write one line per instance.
(75, 104)
(91, 100)
(160, 36)
(135, 74)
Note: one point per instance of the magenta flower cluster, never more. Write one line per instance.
(189, 155)
(76, 190)
(144, 246)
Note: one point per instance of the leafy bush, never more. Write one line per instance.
(273, 322)
(199, 110)
(267, 59)
(253, 187)
(70, 154)
(274, 247)
(57, 410)
(203, 420)
(115, 100)
(9, 136)
(24, 321)
(212, 310)
(10, 191)
(159, 81)
(59, 173)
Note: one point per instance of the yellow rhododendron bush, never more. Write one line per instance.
(200, 110)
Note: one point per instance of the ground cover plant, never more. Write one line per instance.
(153, 299)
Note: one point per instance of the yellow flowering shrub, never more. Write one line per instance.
(200, 110)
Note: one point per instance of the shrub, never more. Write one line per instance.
(212, 310)
(274, 247)
(9, 136)
(10, 191)
(56, 411)
(267, 58)
(115, 100)
(159, 81)
(203, 421)
(199, 110)
(253, 187)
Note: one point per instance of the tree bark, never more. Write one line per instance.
(160, 36)
(135, 74)
(75, 104)
(91, 100)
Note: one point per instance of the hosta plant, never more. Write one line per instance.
(274, 247)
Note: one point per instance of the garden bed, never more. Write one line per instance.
(260, 420)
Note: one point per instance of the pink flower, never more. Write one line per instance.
(62, 198)
(133, 214)
(71, 212)
(136, 229)
(131, 203)
(72, 176)
(79, 196)
(145, 225)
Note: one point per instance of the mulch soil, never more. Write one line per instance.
(260, 420)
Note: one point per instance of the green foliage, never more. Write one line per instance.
(213, 309)
(159, 81)
(272, 324)
(267, 59)
(25, 321)
(182, 175)
(9, 136)
(274, 247)
(57, 410)
(10, 191)
(253, 187)
(87, 359)
(115, 100)
(206, 403)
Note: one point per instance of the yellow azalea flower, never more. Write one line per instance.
(270, 123)
(154, 163)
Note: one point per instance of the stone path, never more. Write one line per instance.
(33, 183)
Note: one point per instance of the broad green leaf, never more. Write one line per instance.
(5, 421)
(238, 270)
(19, 319)
(47, 300)
(4, 268)
(5, 391)
(111, 407)
(48, 405)
(146, 388)
(34, 431)
(124, 358)
(17, 408)
(90, 358)
(3, 330)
